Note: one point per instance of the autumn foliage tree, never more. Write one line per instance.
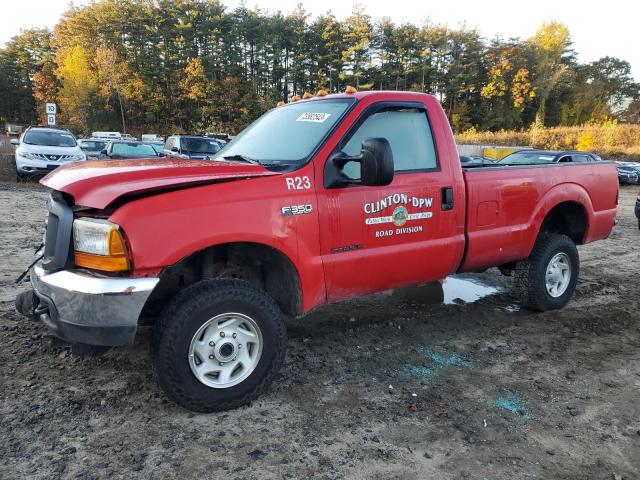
(79, 86)
(550, 42)
(195, 65)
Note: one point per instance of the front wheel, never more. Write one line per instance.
(218, 345)
(547, 279)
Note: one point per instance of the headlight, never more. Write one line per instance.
(99, 244)
(74, 158)
(28, 155)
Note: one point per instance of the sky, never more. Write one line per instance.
(597, 29)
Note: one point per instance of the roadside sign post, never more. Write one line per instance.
(51, 109)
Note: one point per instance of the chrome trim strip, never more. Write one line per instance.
(84, 283)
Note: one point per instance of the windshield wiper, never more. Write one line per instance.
(241, 158)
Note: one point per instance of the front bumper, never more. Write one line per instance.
(37, 167)
(93, 310)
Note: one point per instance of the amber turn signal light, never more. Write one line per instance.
(116, 259)
(101, 262)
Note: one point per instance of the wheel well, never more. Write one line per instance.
(568, 219)
(263, 266)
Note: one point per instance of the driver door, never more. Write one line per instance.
(375, 238)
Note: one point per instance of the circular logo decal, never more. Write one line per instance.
(400, 216)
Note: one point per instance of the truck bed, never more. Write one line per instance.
(505, 206)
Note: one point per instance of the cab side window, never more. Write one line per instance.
(581, 158)
(408, 133)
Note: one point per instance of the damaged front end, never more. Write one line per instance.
(80, 306)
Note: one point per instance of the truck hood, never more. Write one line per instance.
(99, 183)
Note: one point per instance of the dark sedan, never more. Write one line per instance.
(533, 157)
(92, 147)
(191, 147)
(628, 173)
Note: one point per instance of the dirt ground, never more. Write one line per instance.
(376, 388)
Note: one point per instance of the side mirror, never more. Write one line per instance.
(175, 149)
(103, 152)
(15, 141)
(376, 165)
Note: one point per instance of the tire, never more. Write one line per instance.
(530, 275)
(174, 337)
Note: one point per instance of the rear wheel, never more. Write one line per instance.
(548, 278)
(218, 345)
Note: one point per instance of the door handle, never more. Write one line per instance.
(447, 198)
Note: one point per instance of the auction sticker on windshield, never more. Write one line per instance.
(313, 117)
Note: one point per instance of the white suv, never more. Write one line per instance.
(41, 150)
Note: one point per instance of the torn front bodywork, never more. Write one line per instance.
(99, 183)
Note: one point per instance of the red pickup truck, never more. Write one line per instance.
(317, 201)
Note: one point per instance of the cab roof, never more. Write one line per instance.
(364, 94)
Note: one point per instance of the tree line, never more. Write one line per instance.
(193, 65)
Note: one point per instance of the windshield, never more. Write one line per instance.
(133, 150)
(528, 158)
(287, 134)
(49, 139)
(91, 145)
(199, 145)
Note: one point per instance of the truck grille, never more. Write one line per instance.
(57, 238)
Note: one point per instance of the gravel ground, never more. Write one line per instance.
(382, 387)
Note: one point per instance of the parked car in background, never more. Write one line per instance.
(191, 146)
(471, 161)
(129, 137)
(13, 130)
(533, 157)
(119, 149)
(92, 147)
(221, 138)
(42, 149)
(152, 138)
(628, 173)
(107, 135)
